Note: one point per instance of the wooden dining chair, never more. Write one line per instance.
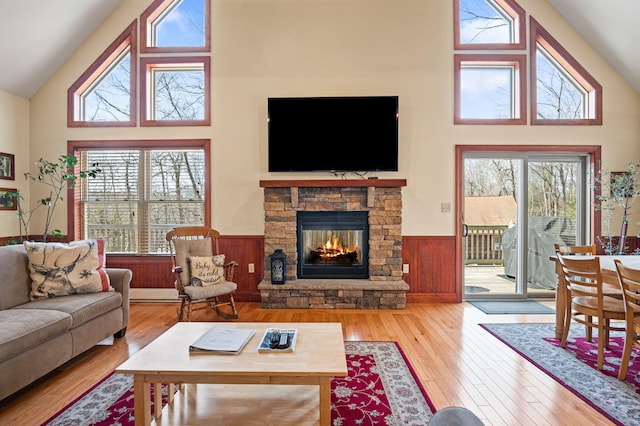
(630, 283)
(586, 304)
(203, 277)
(586, 250)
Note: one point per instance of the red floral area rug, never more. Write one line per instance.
(381, 389)
(575, 366)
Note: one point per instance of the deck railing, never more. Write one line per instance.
(483, 245)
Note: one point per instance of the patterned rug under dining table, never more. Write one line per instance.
(319, 355)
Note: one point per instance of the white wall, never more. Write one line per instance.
(14, 139)
(347, 47)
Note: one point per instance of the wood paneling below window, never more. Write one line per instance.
(431, 260)
(155, 271)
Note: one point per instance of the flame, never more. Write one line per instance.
(333, 248)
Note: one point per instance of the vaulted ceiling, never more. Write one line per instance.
(38, 36)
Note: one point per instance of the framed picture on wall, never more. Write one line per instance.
(8, 199)
(7, 167)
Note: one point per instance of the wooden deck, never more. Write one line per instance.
(486, 280)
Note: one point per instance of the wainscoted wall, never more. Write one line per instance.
(154, 272)
(432, 269)
(431, 260)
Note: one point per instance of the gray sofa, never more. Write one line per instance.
(38, 336)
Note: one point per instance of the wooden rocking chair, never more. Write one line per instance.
(194, 246)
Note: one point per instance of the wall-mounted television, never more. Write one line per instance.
(333, 134)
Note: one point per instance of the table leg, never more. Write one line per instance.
(325, 401)
(141, 401)
(157, 399)
(561, 300)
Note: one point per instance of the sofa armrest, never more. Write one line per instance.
(121, 280)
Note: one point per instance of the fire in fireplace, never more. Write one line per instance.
(333, 251)
(333, 244)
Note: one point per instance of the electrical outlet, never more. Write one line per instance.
(252, 268)
(405, 268)
(445, 207)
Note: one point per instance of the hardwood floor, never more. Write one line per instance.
(457, 361)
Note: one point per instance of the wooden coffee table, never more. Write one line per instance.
(319, 355)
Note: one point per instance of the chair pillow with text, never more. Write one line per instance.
(206, 270)
(60, 269)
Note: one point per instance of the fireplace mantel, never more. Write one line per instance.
(370, 184)
(334, 183)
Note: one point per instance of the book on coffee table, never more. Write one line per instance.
(222, 340)
(278, 340)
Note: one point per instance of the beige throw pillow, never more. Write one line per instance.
(59, 269)
(206, 270)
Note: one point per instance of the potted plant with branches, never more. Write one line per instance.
(58, 176)
(618, 193)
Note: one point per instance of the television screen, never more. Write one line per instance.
(335, 134)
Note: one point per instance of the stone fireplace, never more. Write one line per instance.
(380, 201)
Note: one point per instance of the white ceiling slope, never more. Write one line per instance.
(38, 36)
(612, 28)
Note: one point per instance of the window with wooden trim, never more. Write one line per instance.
(489, 89)
(562, 91)
(104, 95)
(176, 26)
(144, 189)
(488, 24)
(175, 90)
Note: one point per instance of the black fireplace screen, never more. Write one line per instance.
(333, 244)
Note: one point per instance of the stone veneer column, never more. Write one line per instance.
(385, 224)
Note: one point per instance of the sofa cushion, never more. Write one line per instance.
(81, 307)
(59, 269)
(15, 284)
(206, 270)
(21, 329)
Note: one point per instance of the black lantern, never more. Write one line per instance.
(278, 267)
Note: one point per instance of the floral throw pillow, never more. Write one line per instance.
(207, 270)
(60, 269)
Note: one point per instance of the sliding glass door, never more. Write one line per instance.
(516, 206)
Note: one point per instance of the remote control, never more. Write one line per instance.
(284, 341)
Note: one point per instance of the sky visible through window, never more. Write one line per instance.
(486, 92)
(482, 21)
(181, 25)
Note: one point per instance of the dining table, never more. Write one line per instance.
(611, 286)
